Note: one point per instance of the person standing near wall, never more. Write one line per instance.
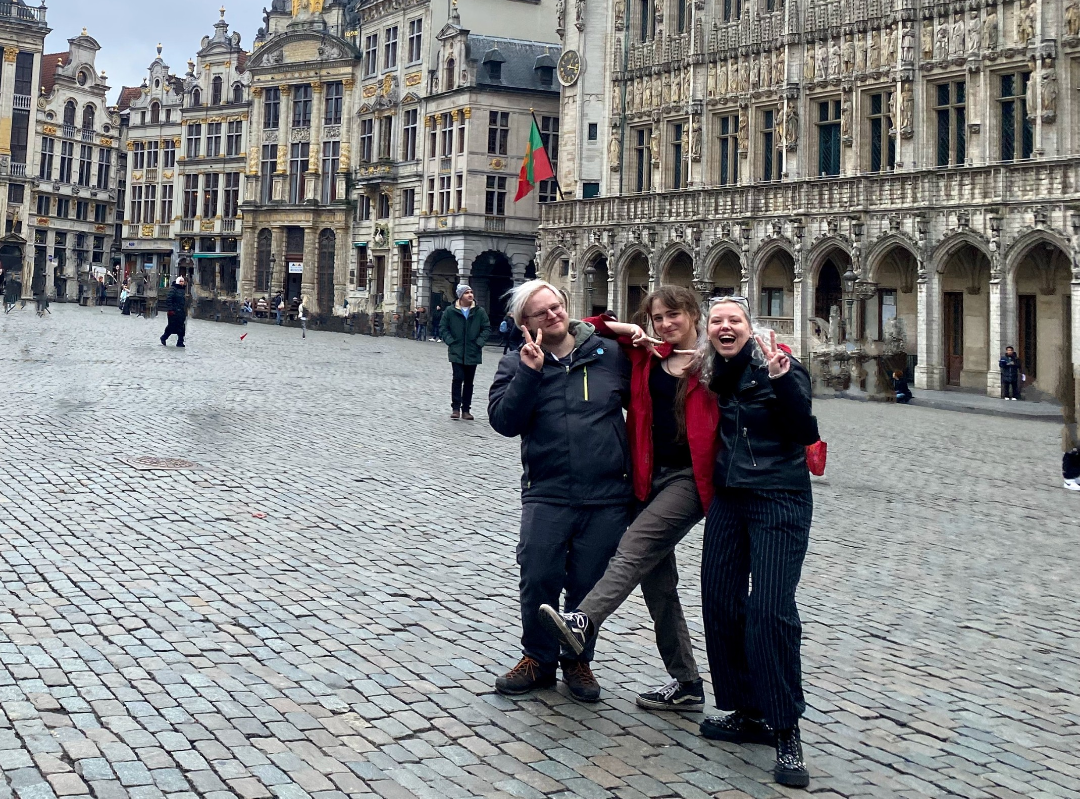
(465, 328)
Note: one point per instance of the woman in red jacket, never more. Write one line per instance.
(671, 425)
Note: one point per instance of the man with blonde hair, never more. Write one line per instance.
(563, 392)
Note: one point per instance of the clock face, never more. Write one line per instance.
(569, 67)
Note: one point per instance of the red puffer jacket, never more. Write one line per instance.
(702, 419)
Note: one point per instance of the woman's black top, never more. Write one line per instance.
(670, 447)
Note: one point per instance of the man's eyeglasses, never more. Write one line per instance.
(553, 310)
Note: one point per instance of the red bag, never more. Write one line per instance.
(815, 457)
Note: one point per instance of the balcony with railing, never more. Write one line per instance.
(87, 134)
(228, 225)
(377, 172)
(783, 325)
(899, 191)
(187, 225)
(23, 13)
(164, 231)
(16, 169)
(150, 175)
(495, 224)
(131, 231)
(21, 102)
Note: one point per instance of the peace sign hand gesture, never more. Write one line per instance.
(531, 354)
(778, 360)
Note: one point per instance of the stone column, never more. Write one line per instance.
(311, 262)
(798, 324)
(247, 261)
(1075, 322)
(343, 244)
(280, 192)
(253, 144)
(7, 98)
(467, 113)
(999, 301)
(345, 165)
(314, 183)
(930, 370)
(279, 267)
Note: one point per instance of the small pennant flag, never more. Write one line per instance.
(536, 166)
(243, 337)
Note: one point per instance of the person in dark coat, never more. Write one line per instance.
(901, 389)
(563, 393)
(176, 306)
(465, 329)
(436, 321)
(1009, 363)
(758, 524)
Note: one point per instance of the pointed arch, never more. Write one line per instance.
(713, 256)
(882, 247)
(668, 255)
(939, 258)
(1022, 245)
(820, 251)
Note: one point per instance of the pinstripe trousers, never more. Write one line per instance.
(753, 634)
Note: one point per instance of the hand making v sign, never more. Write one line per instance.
(778, 360)
(531, 354)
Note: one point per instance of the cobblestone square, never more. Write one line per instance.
(321, 606)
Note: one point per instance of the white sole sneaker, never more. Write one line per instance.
(1072, 485)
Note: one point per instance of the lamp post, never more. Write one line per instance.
(849, 279)
(590, 275)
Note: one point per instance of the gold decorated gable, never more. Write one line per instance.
(314, 6)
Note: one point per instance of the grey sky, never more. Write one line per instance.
(128, 32)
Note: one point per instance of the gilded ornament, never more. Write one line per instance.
(414, 79)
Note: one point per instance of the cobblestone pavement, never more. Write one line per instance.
(159, 636)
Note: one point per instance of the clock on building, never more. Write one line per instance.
(569, 67)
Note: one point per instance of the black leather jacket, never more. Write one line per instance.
(765, 427)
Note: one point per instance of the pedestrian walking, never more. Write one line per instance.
(758, 524)
(301, 314)
(39, 290)
(1070, 469)
(563, 393)
(436, 322)
(506, 327)
(278, 304)
(12, 290)
(1009, 363)
(176, 307)
(671, 424)
(465, 329)
(422, 317)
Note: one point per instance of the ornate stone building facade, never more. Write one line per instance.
(76, 169)
(22, 38)
(893, 158)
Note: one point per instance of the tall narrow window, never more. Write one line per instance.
(335, 92)
(298, 161)
(194, 140)
(367, 140)
(213, 139)
(680, 16)
(728, 154)
(461, 134)
(549, 135)
(211, 184)
(191, 196)
(371, 55)
(431, 195)
(168, 154)
(498, 132)
(215, 90)
(86, 164)
(646, 20)
(155, 113)
(386, 135)
(331, 160)
(233, 137)
(771, 148)
(678, 156)
(408, 134)
(138, 156)
(165, 209)
(67, 156)
(642, 138)
(949, 100)
(449, 75)
(495, 197)
(828, 126)
(408, 202)
(150, 204)
(301, 106)
(196, 98)
(48, 149)
(230, 195)
(390, 47)
(134, 216)
(271, 108)
(444, 194)
(447, 129)
(153, 151)
(1017, 134)
(266, 172)
(416, 38)
(732, 10)
(882, 145)
(405, 259)
(69, 114)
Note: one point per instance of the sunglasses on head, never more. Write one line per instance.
(745, 303)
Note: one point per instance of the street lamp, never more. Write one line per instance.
(849, 279)
(590, 275)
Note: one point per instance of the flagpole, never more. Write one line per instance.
(554, 173)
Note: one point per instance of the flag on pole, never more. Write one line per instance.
(536, 166)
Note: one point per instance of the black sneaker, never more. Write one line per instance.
(580, 680)
(685, 697)
(737, 728)
(790, 768)
(574, 630)
(527, 675)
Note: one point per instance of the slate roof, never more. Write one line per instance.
(127, 94)
(519, 61)
(49, 62)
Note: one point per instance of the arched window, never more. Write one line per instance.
(325, 273)
(196, 98)
(215, 90)
(262, 260)
(88, 117)
(155, 113)
(69, 113)
(237, 93)
(448, 78)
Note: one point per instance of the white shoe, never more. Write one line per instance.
(1013, 399)
(1072, 485)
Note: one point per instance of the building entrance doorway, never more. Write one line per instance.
(1028, 345)
(954, 336)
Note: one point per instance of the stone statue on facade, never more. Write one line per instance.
(744, 137)
(1072, 19)
(744, 76)
(834, 60)
(889, 48)
(808, 63)
(343, 162)
(791, 125)
(710, 81)
(1048, 91)
(860, 52)
(614, 151)
(560, 16)
(688, 87)
(957, 45)
(1029, 93)
(821, 61)
(721, 78)
(654, 146)
(665, 89)
(647, 101)
(907, 111)
(845, 118)
(907, 47)
(676, 88)
(579, 14)
(755, 73)
(695, 140)
(990, 29)
(780, 69)
(848, 55)
(941, 43)
(1025, 23)
(927, 40)
(873, 52)
(974, 33)
(620, 11)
